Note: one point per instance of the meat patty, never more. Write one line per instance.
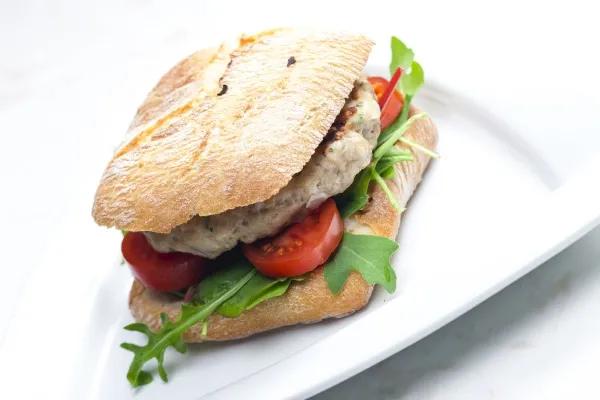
(344, 152)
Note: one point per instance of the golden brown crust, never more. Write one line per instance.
(310, 300)
(228, 127)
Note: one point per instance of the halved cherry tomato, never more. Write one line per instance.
(300, 248)
(394, 106)
(165, 272)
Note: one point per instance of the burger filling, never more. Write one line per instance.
(344, 152)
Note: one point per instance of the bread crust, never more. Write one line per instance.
(228, 127)
(310, 300)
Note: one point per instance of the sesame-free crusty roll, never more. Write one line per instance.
(228, 127)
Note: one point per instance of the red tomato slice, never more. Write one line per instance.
(394, 105)
(166, 272)
(300, 248)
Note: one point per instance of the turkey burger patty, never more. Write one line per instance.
(344, 152)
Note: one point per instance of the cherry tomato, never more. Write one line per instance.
(300, 248)
(394, 105)
(165, 272)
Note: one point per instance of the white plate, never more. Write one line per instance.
(490, 210)
(465, 236)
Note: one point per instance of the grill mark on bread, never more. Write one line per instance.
(182, 76)
(149, 132)
(140, 138)
(246, 44)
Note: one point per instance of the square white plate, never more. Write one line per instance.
(491, 209)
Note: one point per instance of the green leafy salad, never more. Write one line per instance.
(238, 286)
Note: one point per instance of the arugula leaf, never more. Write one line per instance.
(356, 197)
(387, 146)
(419, 147)
(257, 290)
(389, 159)
(365, 254)
(171, 333)
(411, 81)
(226, 276)
(388, 192)
(276, 288)
(385, 135)
(402, 56)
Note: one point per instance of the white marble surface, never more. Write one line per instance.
(536, 339)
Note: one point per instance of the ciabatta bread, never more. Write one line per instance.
(228, 127)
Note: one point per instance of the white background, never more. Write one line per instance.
(535, 340)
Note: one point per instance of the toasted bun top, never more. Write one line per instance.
(228, 127)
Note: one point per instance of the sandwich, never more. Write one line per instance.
(260, 185)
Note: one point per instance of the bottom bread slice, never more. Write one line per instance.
(310, 300)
